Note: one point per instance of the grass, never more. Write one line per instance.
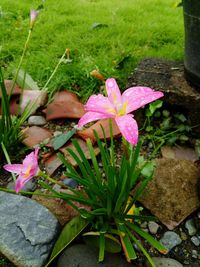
(134, 29)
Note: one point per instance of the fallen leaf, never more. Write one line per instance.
(88, 133)
(35, 135)
(25, 80)
(65, 105)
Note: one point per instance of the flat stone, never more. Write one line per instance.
(37, 120)
(170, 240)
(172, 195)
(28, 230)
(85, 256)
(168, 76)
(165, 262)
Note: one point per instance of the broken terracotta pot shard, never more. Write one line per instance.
(64, 105)
(89, 132)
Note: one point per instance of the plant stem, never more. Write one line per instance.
(53, 73)
(8, 159)
(45, 176)
(20, 62)
(27, 193)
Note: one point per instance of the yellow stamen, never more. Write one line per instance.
(114, 96)
(27, 173)
(122, 111)
(110, 110)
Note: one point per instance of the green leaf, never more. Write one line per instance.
(156, 244)
(112, 244)
(166, 113)
(24, 80)
(149, 128)
(148, 169)
(180, 117)
(126, 243)
(197, 147)
(155, 105)
(68, 234)
(61, 139)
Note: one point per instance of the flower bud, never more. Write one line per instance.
(97, 74)
(33, 17)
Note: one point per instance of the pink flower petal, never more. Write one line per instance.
(92, 116)
(128, 128)
(137, 97)
(15, 168)
(100, 104)
(20, 182)
(114, 94)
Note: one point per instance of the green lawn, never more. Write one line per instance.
(133, 29)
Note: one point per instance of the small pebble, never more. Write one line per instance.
(170, 240)
(144, 225)
(195, 240)
(70, 182)
(37, 120)
(194, 254)
(189, 225)
(183, 236)
(56, 133)
(153, 227)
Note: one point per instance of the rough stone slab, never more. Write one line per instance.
(172, 195)
(27, 230)
(168, 76)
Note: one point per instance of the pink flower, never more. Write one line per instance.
(33, 16)
(119, 107)
(27, 170)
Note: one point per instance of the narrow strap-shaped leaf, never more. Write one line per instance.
(126, 243)
(140, 246)
(83, 158)
(95, 164)
(156, 244)
(101, 247)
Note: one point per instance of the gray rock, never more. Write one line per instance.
(170, 240)
(165, 262)
(194, 254)
(37, 120)
(29, 186)
(195, 240)
(84, 256)
(189, 225)
(153, 227)
(28, 230)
